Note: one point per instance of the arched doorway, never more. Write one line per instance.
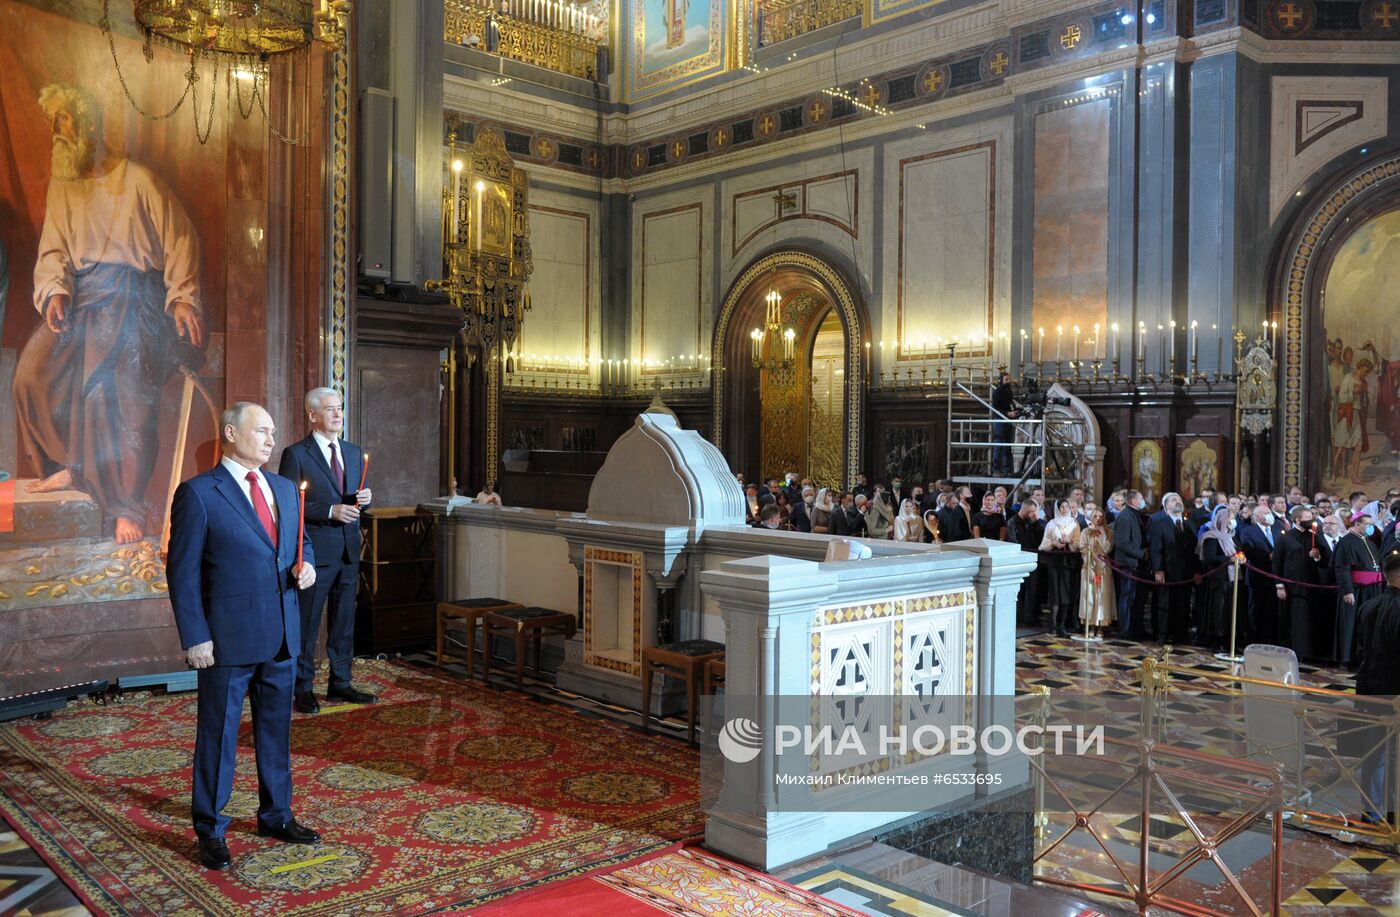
(807, 417)
(1339, 402)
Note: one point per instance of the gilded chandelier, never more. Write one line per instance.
(241, 36)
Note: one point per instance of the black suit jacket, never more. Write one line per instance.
(1172, 549)
(1127, 539)
(336, 542)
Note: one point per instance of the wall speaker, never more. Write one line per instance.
(376, 213)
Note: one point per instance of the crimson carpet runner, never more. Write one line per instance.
(444, 794)
(687, 883)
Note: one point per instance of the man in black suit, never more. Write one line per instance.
(1300, 555)
(953, 524)
(1025, 529)
(1171, 548)
(848, 518)
(331, 469)
(1003, 402)
(1129, 554)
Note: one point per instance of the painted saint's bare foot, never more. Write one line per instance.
(59, 480)
(128, 532)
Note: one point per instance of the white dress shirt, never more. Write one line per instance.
(240, 474)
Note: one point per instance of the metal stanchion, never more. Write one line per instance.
(1230, 657)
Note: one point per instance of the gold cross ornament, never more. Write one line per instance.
(872, 95)
(639, 159)
(721, 138)
(765, 125)
(1384, 15)
(1289, 15)
(999, 63)
(816, 111)
(1071, 37)
(544, 149)
(678, 150)
(933, 81)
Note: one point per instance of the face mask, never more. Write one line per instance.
(1306, 526)
(809, 499)
(1269, 518)
(1370, 530)
(1232, 525)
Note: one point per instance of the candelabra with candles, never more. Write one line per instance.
(774, 347)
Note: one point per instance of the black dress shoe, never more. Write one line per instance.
(306, 702)
(350, 696)
(290, 833)
(213, 853)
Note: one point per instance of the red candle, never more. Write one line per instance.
(301, 522)
(364, 470)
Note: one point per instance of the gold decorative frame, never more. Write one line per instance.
(845, 301)
(338, 330)
(629, 560)
(1296, 278)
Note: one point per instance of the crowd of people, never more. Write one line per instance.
(1304, 566)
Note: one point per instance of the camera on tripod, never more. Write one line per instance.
(1036, 400)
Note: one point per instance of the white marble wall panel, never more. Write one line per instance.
(487, 564)
(563, 322)
(1314, 119)
(833, 194)
(947, 225)
(671, 287)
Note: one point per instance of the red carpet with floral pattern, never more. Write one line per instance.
(442, 794)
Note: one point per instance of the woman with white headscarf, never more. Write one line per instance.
(1059, 548)
(907, 525)
(1216, 550)
(821, 512)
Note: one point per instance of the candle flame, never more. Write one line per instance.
(303, 486)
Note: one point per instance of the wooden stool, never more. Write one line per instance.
(468, 611)
(516, 623)
(714, 674)
(685, 660)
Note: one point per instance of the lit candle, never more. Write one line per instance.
(1172, 335)
(301, 523)
(1097, 353)
(1273, 337)
(1059, 339)
(1022, 359)
(456, 198)
(1162, 339)
(1076, 343)
(1142, 341)
(1193, 341)
(1040, 345)
(1116, 340)
(364, 471)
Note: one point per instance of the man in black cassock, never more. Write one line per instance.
(1357, 563)
(1300, 555)
(1378, 643)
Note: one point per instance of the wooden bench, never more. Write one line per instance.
(468, 611)
(685, 660)
(518, 623)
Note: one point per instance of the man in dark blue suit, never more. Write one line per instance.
(233, 582)
(1171, 549)
(331, 467)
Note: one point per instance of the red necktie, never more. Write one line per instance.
(261, 508)
(336, 471)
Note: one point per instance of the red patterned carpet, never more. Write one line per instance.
(443, 794)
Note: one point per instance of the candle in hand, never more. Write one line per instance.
(301, 524)
(364, 470)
